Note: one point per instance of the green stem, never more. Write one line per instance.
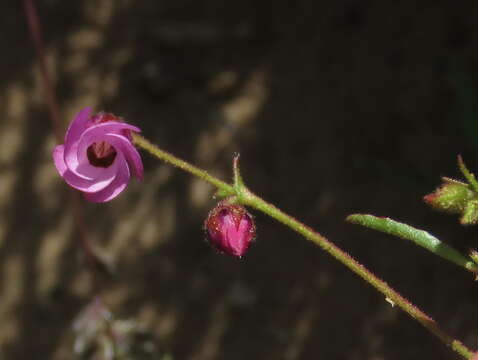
(391, 295)
(173, 160)
(245, 197)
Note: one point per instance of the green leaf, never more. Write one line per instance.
(419, 237)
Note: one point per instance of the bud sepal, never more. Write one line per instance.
(457, 197)
(452, 197)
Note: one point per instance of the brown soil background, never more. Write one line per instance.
(336, 107)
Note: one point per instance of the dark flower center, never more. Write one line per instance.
(101, 154)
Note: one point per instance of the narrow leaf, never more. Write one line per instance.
(238, 182)
(419, 237)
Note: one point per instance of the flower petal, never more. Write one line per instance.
(77, 126)
(111, 127)
(73, 134)
(116, 187)
(103, 178)
(124, 145)
(58, 160)
(72, 161)
(76, 154)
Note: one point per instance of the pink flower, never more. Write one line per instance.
(230, 229)
(98, 156)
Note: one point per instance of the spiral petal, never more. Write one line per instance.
(123, 145)
(73, 134)
(94, 133)
(116, 187)
(77, 126)
(58, 159)
(73, 162)
(101, 181)
(99, 172)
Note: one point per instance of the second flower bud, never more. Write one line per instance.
(230, 229)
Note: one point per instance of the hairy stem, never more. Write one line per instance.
(391, 295)
(246, 197)
(173, 160)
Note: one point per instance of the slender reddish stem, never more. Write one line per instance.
(37, 38)
(53, 108)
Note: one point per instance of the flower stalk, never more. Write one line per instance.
(34, 27)
(226, 189)
(245, 197)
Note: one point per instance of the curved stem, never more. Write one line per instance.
(391, 295)
(246, 197)
(173, 160)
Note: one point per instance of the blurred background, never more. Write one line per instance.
(336, 107)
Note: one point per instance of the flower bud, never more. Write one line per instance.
(452, 197)
(230, 229)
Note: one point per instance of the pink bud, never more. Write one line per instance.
(230, 229)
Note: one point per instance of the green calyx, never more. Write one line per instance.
(452, 197)
(470, 214)
(457, 197)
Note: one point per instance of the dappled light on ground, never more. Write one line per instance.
(335, 108)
